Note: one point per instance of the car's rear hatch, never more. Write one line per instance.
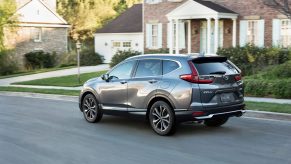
(219, 82)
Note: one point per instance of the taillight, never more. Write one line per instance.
(237, 77)
(194, 77)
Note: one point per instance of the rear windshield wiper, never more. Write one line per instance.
(218, 72)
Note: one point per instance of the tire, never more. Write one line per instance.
(162, 118)
(91, 111)
(216, 122)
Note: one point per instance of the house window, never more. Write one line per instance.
(37, 34)
(116, 44)
(153, 1)
(126, 44)
(286, 32)
(154, 36)
(252, 32)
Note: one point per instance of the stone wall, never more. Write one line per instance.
(21, 40)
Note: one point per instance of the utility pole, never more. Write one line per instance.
(78, 46)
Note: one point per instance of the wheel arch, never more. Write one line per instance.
(159, 98)
(84, 93)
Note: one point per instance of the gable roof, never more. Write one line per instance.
(128, 22)
(28, 13)
(216, 7)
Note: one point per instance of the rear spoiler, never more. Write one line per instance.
(210, 59)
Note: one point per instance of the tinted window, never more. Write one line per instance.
(215, 68)
(169, 66)
(149, 68)
(122, 71)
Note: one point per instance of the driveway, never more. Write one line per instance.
(33, 133)
(65, 72)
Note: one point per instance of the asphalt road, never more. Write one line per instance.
(39, 131)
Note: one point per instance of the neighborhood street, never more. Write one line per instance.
(34, 131)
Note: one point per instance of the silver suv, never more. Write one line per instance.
(166, 90)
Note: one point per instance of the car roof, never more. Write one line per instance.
(170, 56)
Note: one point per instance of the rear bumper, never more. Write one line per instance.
(224, 111)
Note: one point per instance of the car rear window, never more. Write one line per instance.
(207, 68)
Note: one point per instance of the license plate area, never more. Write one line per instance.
(227, 97)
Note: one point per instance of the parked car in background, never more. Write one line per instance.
(166, 90)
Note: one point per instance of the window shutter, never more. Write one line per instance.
(168, 35)
(182, 37)
(243, 33)
(148, 35)
(261, 33)
(160, 35)
(276, 32)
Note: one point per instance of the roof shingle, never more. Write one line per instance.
(128, 22)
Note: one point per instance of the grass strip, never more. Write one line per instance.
(63, 81)
(44, 91)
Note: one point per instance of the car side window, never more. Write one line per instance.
(169, 66)
(122, 71)
(150, 67)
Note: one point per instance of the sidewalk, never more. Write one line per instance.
(268, 100)
(65, 72)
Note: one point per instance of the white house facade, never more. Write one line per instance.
(123, 33)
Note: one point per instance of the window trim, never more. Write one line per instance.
(281, 33)
(38, 33)
(255, 34)
(153, 1)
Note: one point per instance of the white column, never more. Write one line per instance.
(171, 39)
(234, 32)
(177, 36)
(216, 35)
(208, 35)
(189, 36)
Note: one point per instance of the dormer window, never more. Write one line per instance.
(153, 1)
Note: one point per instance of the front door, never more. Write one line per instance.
(203, 36)
(113, 92)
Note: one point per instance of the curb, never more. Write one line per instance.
(249, 113)
(268, 115)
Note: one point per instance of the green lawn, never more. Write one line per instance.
(35, 71)
(270, 107)
(44, 91)
(64, 81)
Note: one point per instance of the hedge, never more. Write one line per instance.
(122, 55)
(278, 88)
(251, 59)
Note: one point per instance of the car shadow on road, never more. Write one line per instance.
(183, 129)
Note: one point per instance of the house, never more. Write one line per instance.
(123, 33)
(39, 28)
(189, 26)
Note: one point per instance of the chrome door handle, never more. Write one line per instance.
(153, 81)
(123, 82)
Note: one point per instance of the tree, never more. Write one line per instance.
(7, 17)
(282, 6)
(86, 16)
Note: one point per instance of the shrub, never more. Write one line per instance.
(158, 51)
(88, 57)
(40, 59)
(8, 64)
(275, 88)
(122, 55)
(251, 59)
(68, 59)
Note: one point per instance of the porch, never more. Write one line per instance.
(203, 27)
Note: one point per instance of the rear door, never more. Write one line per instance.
(224, 86)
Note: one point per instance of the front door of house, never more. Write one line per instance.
(203, 36)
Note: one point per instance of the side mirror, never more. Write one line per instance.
(105, 77)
